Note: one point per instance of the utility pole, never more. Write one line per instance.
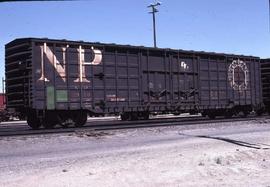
(269, 14)
(154, 10)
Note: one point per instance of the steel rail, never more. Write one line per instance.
(118, 125)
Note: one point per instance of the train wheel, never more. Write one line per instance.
(80, 118)
(33, 121)
(64, 120)
(49, 121)
(259, 112)
(212, 116)
(203, 114)
(6, 118)
(47, 124)
(134, 116)
(145, 115)
(245, 114)
(228, 114)
(125, 116)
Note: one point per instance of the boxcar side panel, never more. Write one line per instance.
(108, 78)
(227, 82)
(72, 77)
(265, 76)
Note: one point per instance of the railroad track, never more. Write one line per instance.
(21, 129)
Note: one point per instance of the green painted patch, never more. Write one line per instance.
(61, 96)
(50, 98)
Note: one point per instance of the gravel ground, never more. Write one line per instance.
(227, 154)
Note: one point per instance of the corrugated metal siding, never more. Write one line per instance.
(219, 90)
(265, 66)
(18, 66)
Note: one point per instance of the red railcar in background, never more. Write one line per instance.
(4, 115)
(2, 101)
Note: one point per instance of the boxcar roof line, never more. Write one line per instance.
(70, 42)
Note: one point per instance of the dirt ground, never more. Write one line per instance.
(228, 154)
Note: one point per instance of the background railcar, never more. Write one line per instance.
(60, 82)
(265, 75)
(4, 114)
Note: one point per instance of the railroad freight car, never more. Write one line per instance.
(61, 82)
(2, 101)
(265, 76)
(4, 115)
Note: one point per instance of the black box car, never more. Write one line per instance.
(265, 75)
(58, 81)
